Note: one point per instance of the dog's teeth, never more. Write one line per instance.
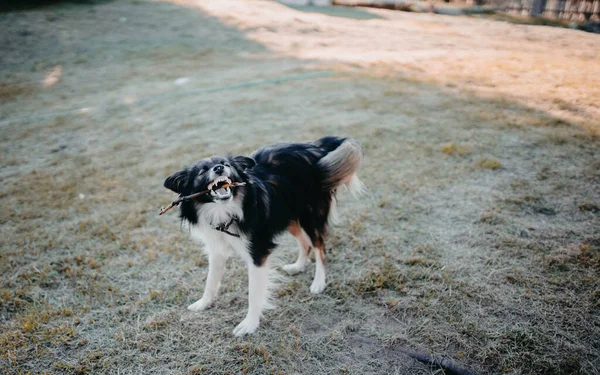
(216, 187)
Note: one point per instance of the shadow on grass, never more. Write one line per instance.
(22, 5)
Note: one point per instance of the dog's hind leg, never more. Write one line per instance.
(304, 245)
(258, 294)
(318, 284)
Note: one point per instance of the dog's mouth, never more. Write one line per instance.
(218, 188)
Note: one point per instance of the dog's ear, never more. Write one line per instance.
(244, 162)
(177, 181)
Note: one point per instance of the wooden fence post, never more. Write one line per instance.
(537, 7)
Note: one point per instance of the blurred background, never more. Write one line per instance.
(476, 251)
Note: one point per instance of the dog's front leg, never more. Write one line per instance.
(258, 293)
(216, 268)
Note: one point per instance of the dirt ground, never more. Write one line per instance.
(479, 242)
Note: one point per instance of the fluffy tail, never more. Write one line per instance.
(340, 165)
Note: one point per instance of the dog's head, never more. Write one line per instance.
(211, 174)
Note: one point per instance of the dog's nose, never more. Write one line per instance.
(219, 169)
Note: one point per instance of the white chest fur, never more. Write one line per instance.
(213, 214)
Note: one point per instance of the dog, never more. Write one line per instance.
(289, 186)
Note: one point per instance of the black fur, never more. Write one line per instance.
(283, 185)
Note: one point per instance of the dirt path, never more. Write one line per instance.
(479, 241)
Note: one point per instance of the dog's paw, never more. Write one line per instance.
(317, 287)
(201, 304)
(293, 269)
(246, 327)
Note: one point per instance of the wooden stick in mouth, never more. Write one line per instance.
(196, 195)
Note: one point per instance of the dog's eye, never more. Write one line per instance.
(227, 165)
(204, 169)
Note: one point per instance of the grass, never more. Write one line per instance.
(489, 261)
(485, 163)
(8, 92)
(384, 276)
(452, 149)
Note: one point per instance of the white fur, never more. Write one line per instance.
(216, 268)
(318, 284)
(334, 217)
(341, 164)
(220, 246)
(356, 187)
(304, 245)
(258, 296)
(212, 214)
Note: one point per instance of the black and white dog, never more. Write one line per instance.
(289, 186)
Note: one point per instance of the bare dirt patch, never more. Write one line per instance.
(478, 243)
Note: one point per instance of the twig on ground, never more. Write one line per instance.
(446, 364)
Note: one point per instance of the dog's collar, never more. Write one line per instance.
(225, 227)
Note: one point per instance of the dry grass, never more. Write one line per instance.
(384, 276)
(488, 164)
(452, 149)
(492, 264)
(8, 92)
